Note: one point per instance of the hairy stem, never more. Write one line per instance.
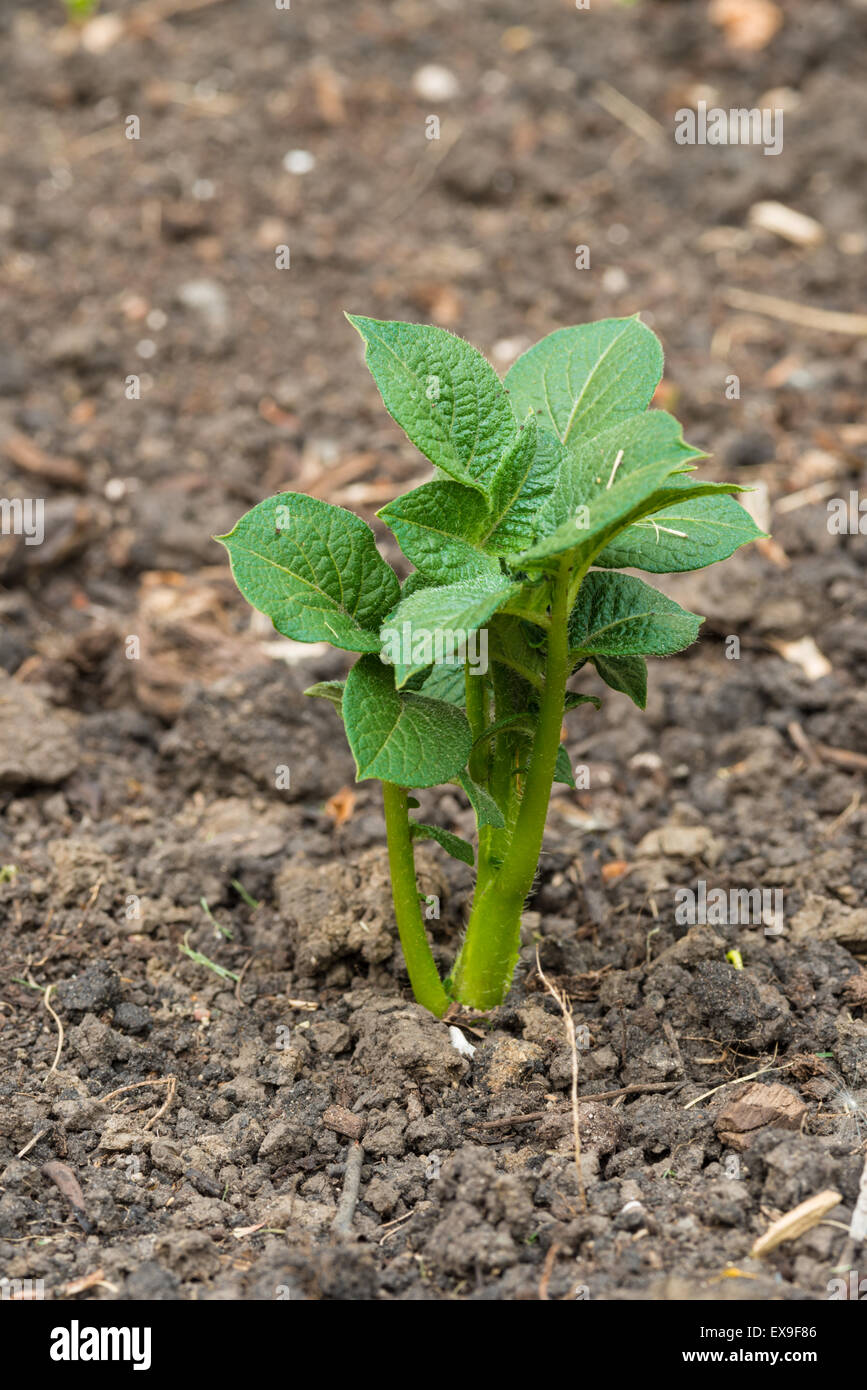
(487, 960)
(476, 696)
(423, 974)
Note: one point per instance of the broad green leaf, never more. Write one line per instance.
(593, 467)
(584, 379)
(623, 475)
(620, 615)
(328, 690)
(450, 532)
(486, 809)
(439, 527)
(432, 624)
(401, 737)
(525, 480)
(452, 844)
(314, 569)
(627, 674)
(414, 580)
(563, 767)
(686, 536)
(443, 394)
(446, 683)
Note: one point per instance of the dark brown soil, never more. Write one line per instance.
(137, 782)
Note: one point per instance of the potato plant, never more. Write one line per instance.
(546, 485)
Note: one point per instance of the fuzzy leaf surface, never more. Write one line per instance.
(314, 569)
(451, 843)
(686, 536)
(620, 615)
(432, 616)
(398, 736)
(444, 395)
(584, 379)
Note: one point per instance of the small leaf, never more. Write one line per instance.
(328, 690)
(430, 625)
(451, 532)
(510, 644)
(587, 378)
(563, 768)
(452, 844)
(620, 615)
(573, 700)
(524, 481)
(686, 536)
(439, 527)
(486, 809)
(443, 394)
(626, 674)
(612, 480)
(401, 737)
(521, 724)
(314, 569)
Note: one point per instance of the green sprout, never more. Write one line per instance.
(546, 485)
(78, 11)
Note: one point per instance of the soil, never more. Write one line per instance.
(201, 1100)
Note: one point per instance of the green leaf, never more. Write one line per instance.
(510, 644)
(446, 683)
(521, 724)
(585, 379)
(328, 690)
(430, 625)
(624, 474)
(439, 527)
(563, 767)
(573, 700)
(452, 844)
(486, 809)
(686, 536)
(443, 394)
(415, 580)
(525, 480)
(401, 737)
(626, 674)
(314, 569)
(620, 615)
(451, 532)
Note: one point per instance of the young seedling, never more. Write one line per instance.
(546, 484)
(77, 11)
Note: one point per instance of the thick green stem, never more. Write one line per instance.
(423, 974)
(490, 951)
(477, 716)
(493, 840)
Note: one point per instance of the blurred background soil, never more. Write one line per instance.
(158, 376)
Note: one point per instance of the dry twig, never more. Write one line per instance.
(349, 1196)
(569, 1022)
(824, 320)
